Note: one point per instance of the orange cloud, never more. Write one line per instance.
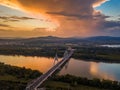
(74, 17)
(10, 3)
(99, 2)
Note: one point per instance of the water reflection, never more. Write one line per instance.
(55, 62)
(66, 65)
(74, 66)
(92, 69)
(96, 72)
(39, 63)
(111, 46)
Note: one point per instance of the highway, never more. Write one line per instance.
(38, 82)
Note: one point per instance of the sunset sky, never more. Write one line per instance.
(63, 18)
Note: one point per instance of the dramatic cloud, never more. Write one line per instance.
(70, 15)
(21, 33)
(75, 17)
(111, 24)
(14, 18)
(99, 2)
(4, 31)
(4, 25)
(43, 6)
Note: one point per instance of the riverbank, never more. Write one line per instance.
(97, 54)
(15, 78)
(57, 85)
(69, 82)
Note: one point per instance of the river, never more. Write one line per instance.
(74, 66)
(111, 46)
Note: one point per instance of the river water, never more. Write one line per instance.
(111, 46)
(77, 67)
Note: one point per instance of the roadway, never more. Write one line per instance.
(37, 82)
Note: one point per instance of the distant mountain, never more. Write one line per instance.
(103, 39)
(58, 40)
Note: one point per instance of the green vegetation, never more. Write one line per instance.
(57, 85)
(78, 83)
(98, 54)
(15, 78)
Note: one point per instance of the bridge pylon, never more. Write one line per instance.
(34, 85)
(56, 57)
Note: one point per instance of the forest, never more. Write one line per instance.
(89, 53)
(16, 78)
(74, 82)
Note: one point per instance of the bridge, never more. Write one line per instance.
(35, 84)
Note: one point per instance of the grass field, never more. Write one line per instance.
(55, 85)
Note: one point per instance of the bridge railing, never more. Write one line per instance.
(37, 82)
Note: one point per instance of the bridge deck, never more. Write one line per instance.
(37, 82)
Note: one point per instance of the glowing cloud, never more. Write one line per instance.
(69, 17)
(10, 3)
(99, 2)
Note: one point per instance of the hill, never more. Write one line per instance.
(59, 40)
